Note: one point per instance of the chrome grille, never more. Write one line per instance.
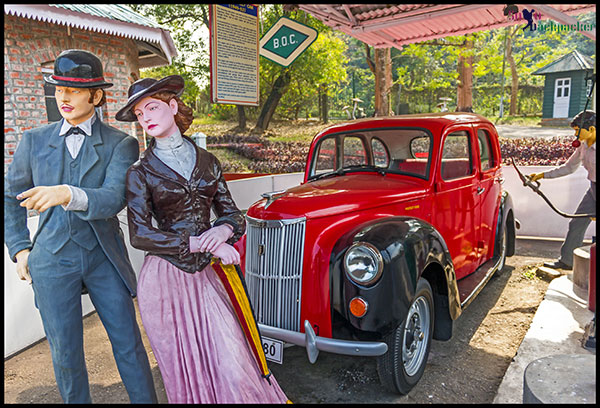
(274, 252)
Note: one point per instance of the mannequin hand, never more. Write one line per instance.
(43, 197)
(22, 266)
(228, 254)
(210, 239)
(535, 176)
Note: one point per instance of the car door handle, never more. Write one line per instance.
(500, 180)
(480, 190)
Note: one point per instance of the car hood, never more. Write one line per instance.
(338, 194)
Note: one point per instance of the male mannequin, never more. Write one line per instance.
(75, 178)
(584, 155)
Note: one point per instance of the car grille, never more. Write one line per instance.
(274, 252)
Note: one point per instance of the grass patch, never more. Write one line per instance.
(518, 120)
(278, 130)
(530, 273)
(231, 162)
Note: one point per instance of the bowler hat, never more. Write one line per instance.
(146, 87)
(77, 69)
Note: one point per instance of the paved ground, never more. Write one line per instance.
(28, 376)
(513, 131)
(558, 328)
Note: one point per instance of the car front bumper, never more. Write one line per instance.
(314, 343)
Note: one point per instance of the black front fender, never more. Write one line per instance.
(408, 246)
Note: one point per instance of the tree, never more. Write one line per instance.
(464, 91)
(381, 67)
(320, 65)
(182, 20)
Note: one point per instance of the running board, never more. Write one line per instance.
(469, 287)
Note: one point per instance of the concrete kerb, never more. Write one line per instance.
(558, 327)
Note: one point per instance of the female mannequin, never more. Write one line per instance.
(201, 349)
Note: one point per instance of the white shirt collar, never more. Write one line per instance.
(85, 126)
(170, 142)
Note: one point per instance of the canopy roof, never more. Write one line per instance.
(155, 45)
(394, 25)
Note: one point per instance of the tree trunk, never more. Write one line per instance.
(383, 81)
(279, 88)
(241, 118)
(514, 87)
(464, 94)
(324, 105)
(319, 101)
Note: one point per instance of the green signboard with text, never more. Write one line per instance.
(286, 40)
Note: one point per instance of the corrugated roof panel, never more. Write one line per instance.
(573, 61)
(110, 19)
(408, 23)
(112, 11)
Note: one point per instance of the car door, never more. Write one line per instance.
(456, 204)
(488, 191)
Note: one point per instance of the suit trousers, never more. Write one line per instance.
(57, 280)
(578, 226)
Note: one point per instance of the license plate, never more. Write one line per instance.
(273, 349)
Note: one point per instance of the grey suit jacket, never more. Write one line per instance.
(38, 161)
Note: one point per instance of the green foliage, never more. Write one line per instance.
(322, 63)
(191, 90)
(428, 70)
(185, 22)
(422, 73)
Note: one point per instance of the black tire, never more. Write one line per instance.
(502, 250)
(402, 366)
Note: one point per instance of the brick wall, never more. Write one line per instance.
(28, 44)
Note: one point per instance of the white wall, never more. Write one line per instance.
(537, 218)
(22, 323)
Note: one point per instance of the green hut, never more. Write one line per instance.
(565, 88)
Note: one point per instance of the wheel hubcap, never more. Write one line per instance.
(416, 334)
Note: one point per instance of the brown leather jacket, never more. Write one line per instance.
(181, 207)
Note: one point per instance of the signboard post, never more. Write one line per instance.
(286, 40)
(234, 54)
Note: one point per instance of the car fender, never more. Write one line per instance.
(408, 247)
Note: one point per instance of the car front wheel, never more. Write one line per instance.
(408, 345)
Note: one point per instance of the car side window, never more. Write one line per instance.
(485, 150)
(326, 157)
(380, 153)
(354, 151)
(456, 156)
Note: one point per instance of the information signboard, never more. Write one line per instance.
(286, 40)
(234, 54)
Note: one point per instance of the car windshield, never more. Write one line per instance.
(398, 150)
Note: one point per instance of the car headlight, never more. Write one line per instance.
(363, 263)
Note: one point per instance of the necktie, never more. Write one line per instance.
(75, 131)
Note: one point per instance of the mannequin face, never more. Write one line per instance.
(156, 117)
(74, 103)
(587, 135)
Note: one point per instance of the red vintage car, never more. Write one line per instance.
(397, 226)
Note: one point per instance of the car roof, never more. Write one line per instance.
(433, 121)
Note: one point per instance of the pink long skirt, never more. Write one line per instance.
(199, 345)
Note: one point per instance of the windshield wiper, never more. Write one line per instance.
(338, 172)
(364, 167)
(348, 169)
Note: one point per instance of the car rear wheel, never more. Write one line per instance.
(408, 345)
(502, 249)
